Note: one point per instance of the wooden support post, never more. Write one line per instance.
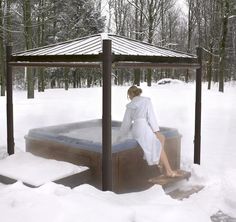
(197, 135)
(106, 117)
(10, 128)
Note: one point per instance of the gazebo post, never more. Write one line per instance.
(10, 128)
(197, 135)
(106, 117)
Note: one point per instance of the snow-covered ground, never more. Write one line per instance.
(174, 105)
(41, 170)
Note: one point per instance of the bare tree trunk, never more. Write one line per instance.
(163, 36)
(2, 69)
(79, 78)
(150, 39)
(8, 37)
(137, 72)
(109, 16)
(8, 22)
(225, 6)
(120, 78)
(89, 81)
(149, 77)
(28, 44)
(209, 66)
(41, 42)
(212, 26)
(153, 9)
(66, 78)
(75, 79)
(199, 22)
(41, 80)
(190, 30)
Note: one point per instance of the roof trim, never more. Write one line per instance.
(58, 58)
(89, 50)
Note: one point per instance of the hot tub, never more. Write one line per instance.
(72, 143)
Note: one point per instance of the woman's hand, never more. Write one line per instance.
(161, 137)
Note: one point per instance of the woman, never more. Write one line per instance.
(140, 116)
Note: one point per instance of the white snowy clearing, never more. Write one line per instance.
(174, 106)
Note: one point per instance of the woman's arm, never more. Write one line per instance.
(125, 125)
(152, 118)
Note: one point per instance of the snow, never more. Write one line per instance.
(174, 105)
(35, 170)
(169, 81)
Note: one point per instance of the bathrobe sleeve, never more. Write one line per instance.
(126, 123)
(151, 118)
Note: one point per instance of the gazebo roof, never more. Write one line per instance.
(92, 45)
(89, 49)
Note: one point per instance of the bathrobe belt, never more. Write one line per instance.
(139, 119)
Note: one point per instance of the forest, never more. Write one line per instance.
(27, 24)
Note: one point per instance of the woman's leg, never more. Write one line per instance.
(163, 158)
(165, 162)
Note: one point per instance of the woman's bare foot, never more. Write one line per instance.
(174, 174)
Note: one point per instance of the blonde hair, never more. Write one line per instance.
(134, 91)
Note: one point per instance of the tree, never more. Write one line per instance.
(2, 70)
(28, 32)
(213, 39)
(156, 10)
(121, 10)
(75, 19)
(41, 40)
(139, 34)
(191, 27)
(5, 37)
(231, 44)
(150, 10)
(225, 7)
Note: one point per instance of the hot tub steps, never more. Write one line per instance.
(166, 181)
(75, 179)
(35, 171)
(181, 194)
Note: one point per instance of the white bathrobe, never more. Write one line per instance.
(140, 118)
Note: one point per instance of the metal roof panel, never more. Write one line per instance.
(92, 45)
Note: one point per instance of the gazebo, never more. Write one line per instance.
(105, 51)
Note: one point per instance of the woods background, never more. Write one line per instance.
(29, 24)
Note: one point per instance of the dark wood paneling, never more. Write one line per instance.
(130, 171)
